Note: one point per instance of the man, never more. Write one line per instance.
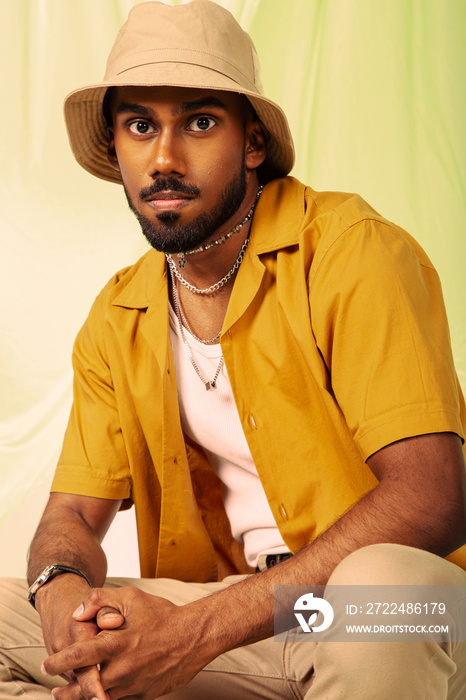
(272, 378)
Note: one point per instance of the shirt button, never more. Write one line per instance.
(283, 512)
(252, 422)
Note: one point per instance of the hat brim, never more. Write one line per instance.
(87, 128)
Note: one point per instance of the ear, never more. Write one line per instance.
(111, 152)
(255, 145)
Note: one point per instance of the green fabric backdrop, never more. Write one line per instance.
(375, 94)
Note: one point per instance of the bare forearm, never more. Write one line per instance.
(68, 542)
(66, 536)
(244, 613)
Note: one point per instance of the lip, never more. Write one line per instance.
(168, 201)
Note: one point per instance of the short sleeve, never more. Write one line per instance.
(380, 324)
(93, 460)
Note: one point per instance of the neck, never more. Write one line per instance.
(205, 267)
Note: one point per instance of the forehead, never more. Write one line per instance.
(177, 99)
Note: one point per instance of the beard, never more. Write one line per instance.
(170, 236)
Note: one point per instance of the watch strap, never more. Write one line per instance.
(48, 574)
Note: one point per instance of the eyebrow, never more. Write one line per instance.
(124, 107)
(183, 108)
(202, 102)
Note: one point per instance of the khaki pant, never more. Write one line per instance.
(268, 669)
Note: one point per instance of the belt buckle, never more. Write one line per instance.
(267, 561)
(262, 562)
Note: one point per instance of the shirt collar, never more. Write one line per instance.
(279, 216)
(276, 224)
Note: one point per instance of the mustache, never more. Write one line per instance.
(169, 183)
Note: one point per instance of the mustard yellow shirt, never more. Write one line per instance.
(336, 344)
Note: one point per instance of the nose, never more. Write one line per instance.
(167, 156)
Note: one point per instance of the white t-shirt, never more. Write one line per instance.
(210, 419)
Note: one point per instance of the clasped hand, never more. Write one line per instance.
(145, 647)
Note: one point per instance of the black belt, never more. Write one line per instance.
(266, 561)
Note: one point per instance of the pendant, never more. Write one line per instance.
(182, 261)
(210, 386)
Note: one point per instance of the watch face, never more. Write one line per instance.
(41, 579)
(45, 574)
(48, 573)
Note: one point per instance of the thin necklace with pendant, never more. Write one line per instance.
(218, 241)
(209, 385)
(218, 285)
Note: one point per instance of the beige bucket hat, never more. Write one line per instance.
(199, 45)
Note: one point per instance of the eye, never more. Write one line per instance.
(140, 127)
(201, 124)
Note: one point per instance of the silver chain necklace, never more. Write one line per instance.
(209, 385)
(177, 303)
(212, 385)
(200, 249)
(214, 287)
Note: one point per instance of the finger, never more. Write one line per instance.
(87, 686)
(109, 618)
(76, 656)
(98, 598)
(90, 683)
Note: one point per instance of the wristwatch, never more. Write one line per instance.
(48, 573)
